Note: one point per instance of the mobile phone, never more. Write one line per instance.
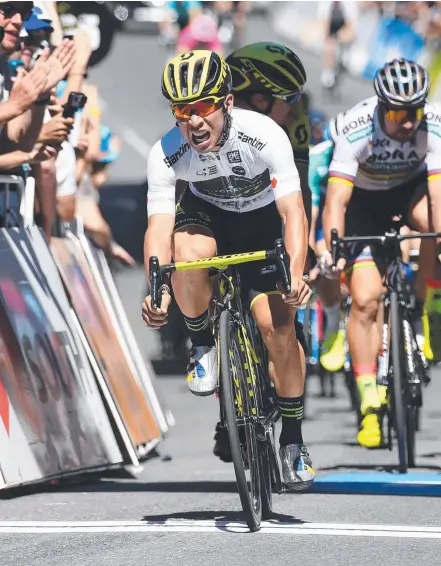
(13, 65)
(75, 102)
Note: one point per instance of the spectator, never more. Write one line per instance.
(339, 20)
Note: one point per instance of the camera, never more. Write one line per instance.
(75, 102)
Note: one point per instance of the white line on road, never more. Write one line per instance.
(208, 526)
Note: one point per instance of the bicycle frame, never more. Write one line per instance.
(259, 410)
(157, 272)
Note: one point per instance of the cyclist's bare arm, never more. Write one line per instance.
(161, 206)
(158, 237)
(292, 213)
(337, 199)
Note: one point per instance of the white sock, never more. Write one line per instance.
(332, 318)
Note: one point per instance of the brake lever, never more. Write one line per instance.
(283, 263)
(155, 282)
(335, 247)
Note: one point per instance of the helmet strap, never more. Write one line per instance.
(227, 127)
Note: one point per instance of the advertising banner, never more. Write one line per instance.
(50, 419)
(35, 249)
(97, 324)
(142, 370)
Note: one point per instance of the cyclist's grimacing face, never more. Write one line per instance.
(204, 132)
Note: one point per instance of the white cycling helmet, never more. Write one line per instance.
(402, 83)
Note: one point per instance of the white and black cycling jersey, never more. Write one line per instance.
(253, 168)
(368, 158)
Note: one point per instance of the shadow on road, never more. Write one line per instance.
(87, 485)
(233, 516)
(159, 487)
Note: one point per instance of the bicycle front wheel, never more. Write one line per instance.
(240, 415)
(398, 381)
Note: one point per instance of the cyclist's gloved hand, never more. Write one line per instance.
(300, 294)
(155, 318)
(328, 270)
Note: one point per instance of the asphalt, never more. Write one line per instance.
(124, 520)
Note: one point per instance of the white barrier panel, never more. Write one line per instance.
(142, 371)
(40, 253)
(95, 318)
(52, 420)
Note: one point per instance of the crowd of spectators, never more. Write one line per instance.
(47, 133)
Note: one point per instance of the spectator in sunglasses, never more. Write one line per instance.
(12, 16)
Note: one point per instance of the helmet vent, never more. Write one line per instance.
(171, 79)
(198, 68)
(183, 78)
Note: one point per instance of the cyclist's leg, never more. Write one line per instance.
(287, 368)
(368, 213)
(365, 287)
(194, 239)
(428, 279)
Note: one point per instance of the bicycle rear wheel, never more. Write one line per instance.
(398, 381)
(411, 428)
(415, 378)
(240, 416)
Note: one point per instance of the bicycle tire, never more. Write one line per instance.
(397, 382)
(231, 392)
(412, 409)
(411, 428)
(266, 480)
(266, 446)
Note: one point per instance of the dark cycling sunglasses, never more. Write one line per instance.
(9, 9)
(290, 98)
(411, 114)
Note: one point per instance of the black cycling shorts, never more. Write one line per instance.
(239, 233)
(370, 213)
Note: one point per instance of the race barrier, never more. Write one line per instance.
(75, 393)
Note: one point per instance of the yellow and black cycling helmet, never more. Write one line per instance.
(194, 75)
(267, 68)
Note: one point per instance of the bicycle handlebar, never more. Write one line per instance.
(393, 236)
(278, 254)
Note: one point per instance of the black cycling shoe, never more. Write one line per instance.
(222, 444)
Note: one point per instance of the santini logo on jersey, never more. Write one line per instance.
(175, 157)
(253, 142)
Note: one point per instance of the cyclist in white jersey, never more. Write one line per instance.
(386, 163)
(243, 186)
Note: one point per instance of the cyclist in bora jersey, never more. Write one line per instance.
(241, 177)
(386, 162)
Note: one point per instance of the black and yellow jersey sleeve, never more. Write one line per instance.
(299, 133)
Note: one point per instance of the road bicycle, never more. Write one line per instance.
(402, 366)
(247, 403)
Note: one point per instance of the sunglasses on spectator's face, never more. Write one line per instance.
(408, 114)
(201, 108)
(290, 98)
(9, 9)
